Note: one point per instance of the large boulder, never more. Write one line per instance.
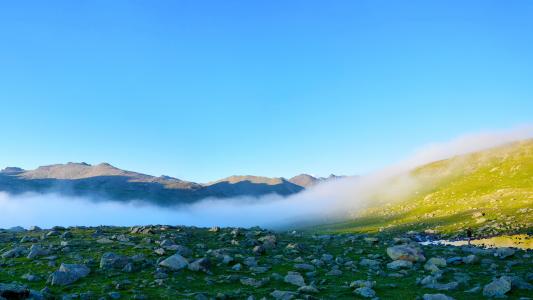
(13, 291)
(497, 288)
(111, 260)
(434, 263)
(175, 262)
(15, 252)
(36, 251)
(405, 252)
(68, 274)
(78, 270)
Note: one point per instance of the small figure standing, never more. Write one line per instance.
(469, 234)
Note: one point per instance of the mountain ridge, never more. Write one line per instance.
(106, 180)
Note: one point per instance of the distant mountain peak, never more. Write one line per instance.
(304, 180)
(12, 170)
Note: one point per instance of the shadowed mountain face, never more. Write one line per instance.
(106, 181)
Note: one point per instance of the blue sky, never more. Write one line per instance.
(204, 89)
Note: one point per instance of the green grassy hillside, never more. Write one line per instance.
(490, 191)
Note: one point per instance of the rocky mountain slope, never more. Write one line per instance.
(489, 191)
(107, 181)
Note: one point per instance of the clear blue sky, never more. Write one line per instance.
(205, 89)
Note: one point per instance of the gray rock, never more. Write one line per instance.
(434, 263)
(405, 252)
(305, 267)
(111, 260)
(497, 288)
(253, 282)
(471, 259)
(15, 252)
(68, 274)
(450, 286)
(454, 260)
(327, 257)
(62, 278)
(250, 261)
(365, 292)
(268, 241)
(362, 283)
(202, 264)
(369, 263)
(78, 270)
(283, 295)
(14, 291)
(504, 252)
(334, 272)
(308, 289)
(400, 264)
(294, 278)
(175, 262)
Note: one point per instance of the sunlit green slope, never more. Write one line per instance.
(490, 191)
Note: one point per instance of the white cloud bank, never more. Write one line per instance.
(323, 202)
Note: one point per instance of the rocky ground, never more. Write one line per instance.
(166, 262)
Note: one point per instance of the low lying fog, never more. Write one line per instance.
(322, 203)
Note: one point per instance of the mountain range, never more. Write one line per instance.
(109, 182)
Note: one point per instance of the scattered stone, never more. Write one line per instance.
(436, 297)
(175, 262)
(362, 283)
(405, 252)
(202, 264)
(365, 292)
(400, 264)
(294, 278)
(283, 295)
(305, 267)
(111, 260)
(308, 289)
(497, 288)
(369, 263)
(236, 267)
(503, 253)
(471, 259)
